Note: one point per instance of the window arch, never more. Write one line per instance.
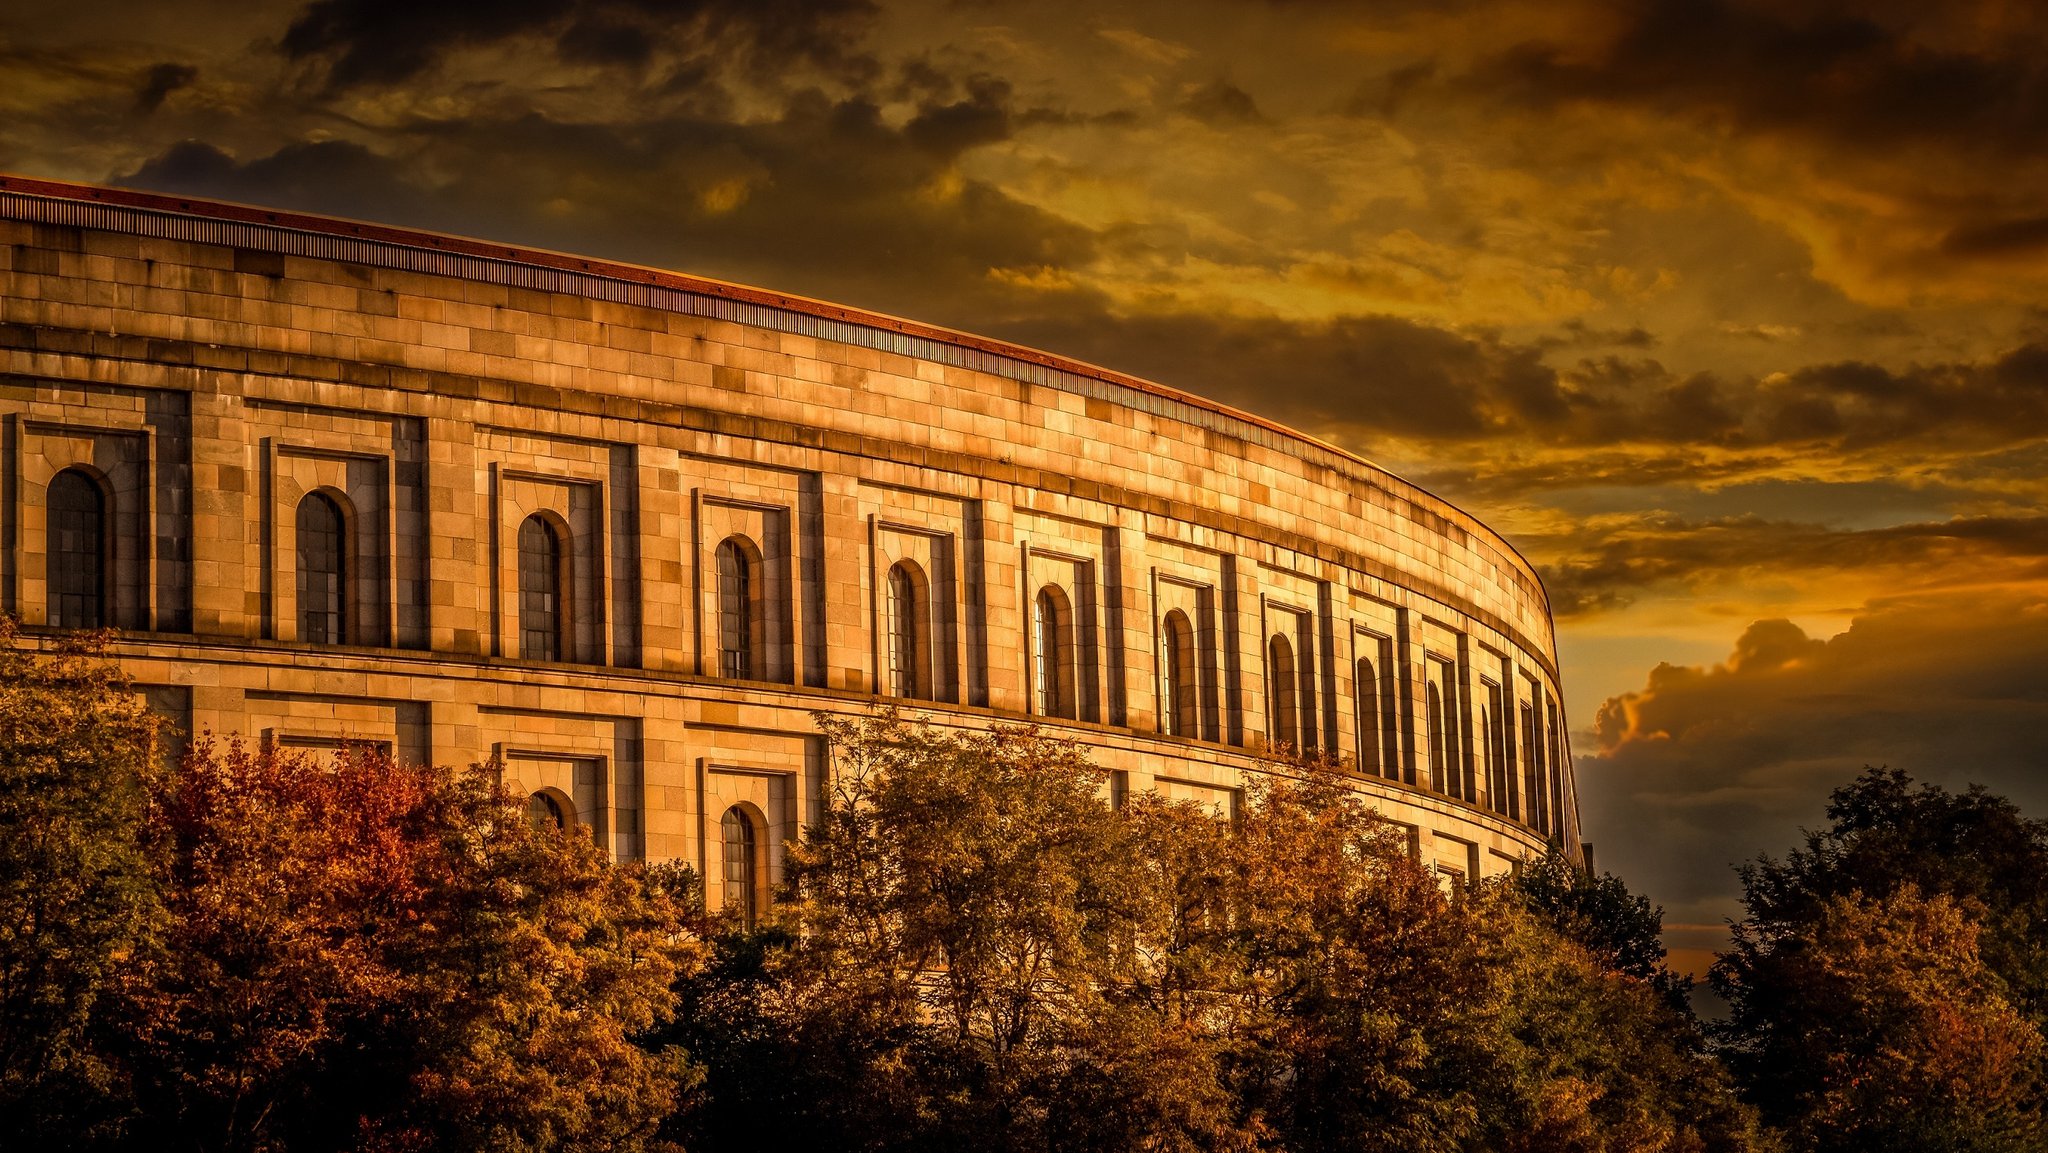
(543, 592)
(78, 549)
(323, 571)
(1052, 652)
(546, 813)
(1365, 685)
(909, 632)
(1282, 691)
(739, 610)
(1439, 759)
(741, 849)
(1181, 715)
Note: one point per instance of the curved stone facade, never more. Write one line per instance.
(628, 530)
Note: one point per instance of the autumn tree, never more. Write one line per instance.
(365, 954)
(1886, 833)
(952, 966)
(977, 950)
(1874, 1023)
(77, 895)
(1589, 1057)
(1622, 930)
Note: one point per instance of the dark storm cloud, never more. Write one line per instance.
(158, 84)
(2025, 236)
(1364, 378)
(1221, 103)
(826, 199)
(1813, 68)
(331, 176)
(1358, 377)
(1604, 569)
(981, 117)
(366, 42)
(1578, 334)
(1705, 767)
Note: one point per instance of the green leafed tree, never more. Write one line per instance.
(77, 893)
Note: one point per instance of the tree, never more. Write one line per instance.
(1886, 834)
(1622, 930)
(1589, 1057)
(362, 953)
(1875, 1024)
(77, 754)
(1365, 980)
(953, 966)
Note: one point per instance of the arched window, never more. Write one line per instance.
(1532, 780)
(1282, 692)
(1439, 756)
(908, 630)
(1365, 684)
(1052, 648)
(541, 595)
(323, 571)
(545, 812)
(1309, 723)
(78, 540)
(742, 869)
(736, 611)
(1182, 715)
(1553, 811)
(1493, 791)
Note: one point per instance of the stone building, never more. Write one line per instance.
(627, 530)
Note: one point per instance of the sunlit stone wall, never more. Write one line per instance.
(1216, 583)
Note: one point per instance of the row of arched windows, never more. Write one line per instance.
(80, 596)
(81, 562)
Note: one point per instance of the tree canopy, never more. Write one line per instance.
(1885, 989)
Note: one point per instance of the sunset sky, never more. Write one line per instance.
(1731, 316)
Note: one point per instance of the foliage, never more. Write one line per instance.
(955, 967)
(1885, 834)
(77, 754)
(1597, 1058)
(1621, 929)
(1887, 986)
(362, 953)
(1876, 1025)
(977, 952)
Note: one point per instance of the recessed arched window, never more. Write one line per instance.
(1282, 692)
(323, 571)
(909, 629)
(1308, 723)
(1532, 780)
(740, 857)
(1365, 685)
(1439, 756)
(1182, 714)
(545, 812)
(541, 592)
(78, 546)
(1486, 736)
(1052, 651)
(737, 612)
(1553, 811)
